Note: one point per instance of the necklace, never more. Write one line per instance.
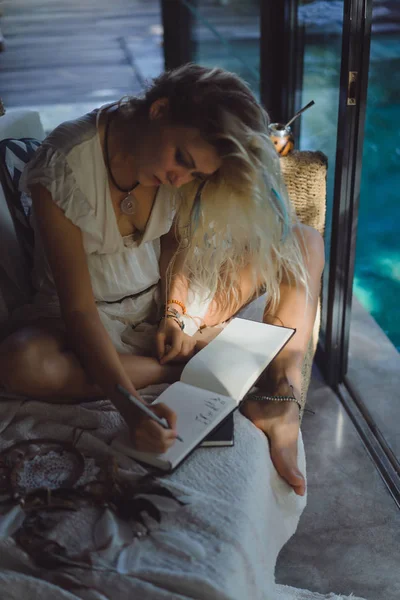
(128, 204)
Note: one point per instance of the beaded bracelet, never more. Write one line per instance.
(178, 315)
(180, 323)
(173, 312)
(179, 303)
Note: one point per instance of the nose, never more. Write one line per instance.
(179, 178)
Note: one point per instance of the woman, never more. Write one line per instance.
(172, 198)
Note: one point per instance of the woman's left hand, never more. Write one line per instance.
(173, 344)
(280, 422)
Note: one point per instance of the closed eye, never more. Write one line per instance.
(180, 158)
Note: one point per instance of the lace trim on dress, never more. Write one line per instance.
(50, 168)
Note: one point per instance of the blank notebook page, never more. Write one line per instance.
(236, 357)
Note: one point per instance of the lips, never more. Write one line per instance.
(157, 181)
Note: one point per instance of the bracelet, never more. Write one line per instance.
(173, 312)
(180, 323)
(183, 307)
(263, 398)
(178, 315)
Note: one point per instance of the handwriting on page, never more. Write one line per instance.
(213, 406)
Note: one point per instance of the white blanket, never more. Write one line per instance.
(223, 544)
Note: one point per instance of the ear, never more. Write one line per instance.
(158, 109)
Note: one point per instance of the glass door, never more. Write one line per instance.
(321, 27)
(377, 268)
(335, 53)
(374, 359)
(226, 33)
(355, 122)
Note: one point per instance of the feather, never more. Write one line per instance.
(197, 204)
(179, 543)
(11, 521)
(164, 502)
(110, 532)
(128, 559)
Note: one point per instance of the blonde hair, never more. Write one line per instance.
(242, 214)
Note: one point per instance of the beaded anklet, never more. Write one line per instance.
(277, 398)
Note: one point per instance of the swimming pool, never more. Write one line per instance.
(377, 272)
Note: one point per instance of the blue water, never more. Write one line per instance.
(377, 273)
(377, 264)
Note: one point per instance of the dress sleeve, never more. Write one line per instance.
(50, 168)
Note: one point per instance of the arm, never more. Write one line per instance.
(179, 284)
(169, 335)
(63, 245)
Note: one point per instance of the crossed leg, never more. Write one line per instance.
(37, 361)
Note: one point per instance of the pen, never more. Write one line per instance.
(144, 409)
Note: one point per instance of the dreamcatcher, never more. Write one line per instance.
(41, 477)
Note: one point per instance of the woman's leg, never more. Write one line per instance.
(297, 311)
(216, 315)
(36, 361)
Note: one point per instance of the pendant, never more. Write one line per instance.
(128, 205)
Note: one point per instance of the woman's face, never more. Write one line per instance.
(175, 155)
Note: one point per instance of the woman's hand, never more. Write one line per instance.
(280, 423)
(181, 346)
(146, 434)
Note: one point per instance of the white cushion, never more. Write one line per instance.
(21, 123)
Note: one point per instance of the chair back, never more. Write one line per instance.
(15, 280)
(304, 173)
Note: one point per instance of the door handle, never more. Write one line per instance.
(352, 88)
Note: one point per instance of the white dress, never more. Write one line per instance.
(124, 271)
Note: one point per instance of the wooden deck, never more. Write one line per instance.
(71, 51)
(66, 57)
(61, 52)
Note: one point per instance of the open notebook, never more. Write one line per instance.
(212, 385)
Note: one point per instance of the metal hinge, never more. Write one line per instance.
(352, 88)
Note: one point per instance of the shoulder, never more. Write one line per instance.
(68, 152)
(63, 144)
(70, 134)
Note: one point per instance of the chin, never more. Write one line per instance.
(147, 182)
